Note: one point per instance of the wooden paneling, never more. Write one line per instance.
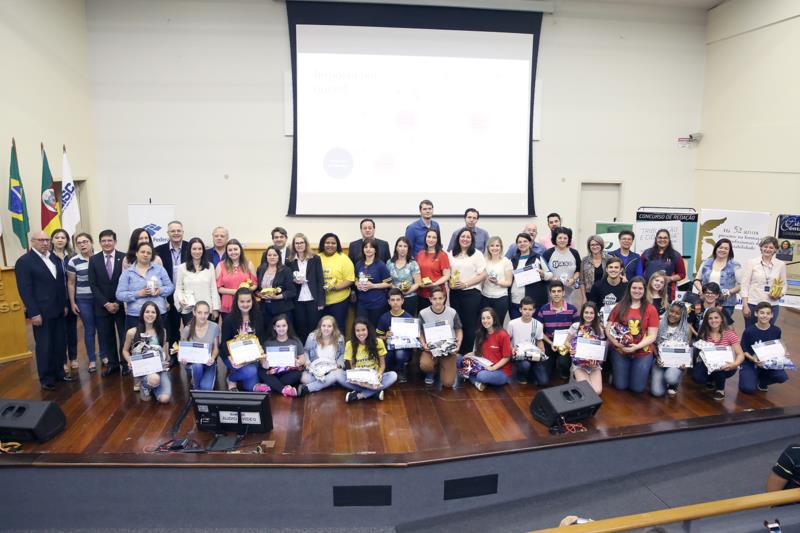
(13, 335)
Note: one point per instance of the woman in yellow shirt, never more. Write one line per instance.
(365, 350)
(339, 274)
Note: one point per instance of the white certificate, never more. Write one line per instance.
(590, 349)
(718, 356)
(675, 356)
(438, 331)
(194, 352)
(244, 351)
(527, 275)
(146, 363)
(770, 351)
(281, 356)
(405, 327)
(560, 337)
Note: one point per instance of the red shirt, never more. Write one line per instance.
(497, 346)
(431, 268)
(638, 325)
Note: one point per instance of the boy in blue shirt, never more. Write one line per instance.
(752, 374)
(396, 360)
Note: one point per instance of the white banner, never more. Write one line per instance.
(646, 234)
(745, 229)
(153, 218)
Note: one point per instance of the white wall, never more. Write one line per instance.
(186, 93)
(44, 97)
(749, 157)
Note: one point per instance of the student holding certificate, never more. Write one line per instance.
(244, 319)
(205, 332)
(468, 268)
(440, 316)
(397, 358)
(673, 329)
(282, 367)
(493, 344)
(366, 351)
(590, 327)
(524, 257)
(526, 330)
(149, 336)
(753, 375)
(632, 355)
(716, 331)
(325, 352)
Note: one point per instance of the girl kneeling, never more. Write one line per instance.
(147, 336)
(589, 327)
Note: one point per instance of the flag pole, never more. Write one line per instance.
(3, 246)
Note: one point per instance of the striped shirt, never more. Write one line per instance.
(80, 267)
(554, 319)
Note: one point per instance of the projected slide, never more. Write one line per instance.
(388, 116)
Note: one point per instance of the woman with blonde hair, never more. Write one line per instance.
(306, 269)
(657, 292)
(593, 266)
(325, 355)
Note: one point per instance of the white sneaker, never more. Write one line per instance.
(480, 386)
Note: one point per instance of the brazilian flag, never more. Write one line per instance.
(17, 206)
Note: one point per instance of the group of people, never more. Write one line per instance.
(150, 298)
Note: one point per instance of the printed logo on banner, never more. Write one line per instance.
(152, 229)
(789, 227)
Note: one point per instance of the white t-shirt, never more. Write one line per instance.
(467, 266)
(499, 269)
(327, 353)
(519, 331)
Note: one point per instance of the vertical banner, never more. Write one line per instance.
(787, 231)
(745, 229)
(649, 218)
(153, 218)
(609, 232)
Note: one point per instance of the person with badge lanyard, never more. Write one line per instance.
(372, 283)
(589, 327)
(80, 295)
(723, 270)
(523, 257)
(243, 319)
(202, 330)
(661, 256)
(673, 327)
(60, 246)
(593, 266)
(307, 275)
(283, 379)
(196, 281)
(499, 277)
(564, 261)
(434, 267)
(468, 267)
(405, 275)
(276, 288)
(231, 273)
(763, 280)
(325, 343)
(492, 343)
(365, 350)
(150, 335)
(714, 330)
(752, 375)
(657, 293)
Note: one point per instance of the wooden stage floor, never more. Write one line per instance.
(107, 424)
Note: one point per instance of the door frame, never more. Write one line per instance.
(611, 181)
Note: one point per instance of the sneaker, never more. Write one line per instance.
(261, 387)
(480, 386)
(380, 395)
(92, 367)
(672, 390)
(429, 379)
(402, 375)
(289, 391)
(302, 390)
(762, 388)
(350, 397)
(709, 385)
(719, 395)
(144, 394)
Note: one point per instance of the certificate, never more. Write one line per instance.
(482, 360)
(146, 363)
(590, 349)
(281, 356)
(438, 331)
(527, 275)
(675, 356)
(770, 351)
(244, 351)
(560, 337)
(716, 357)
(194, 352)
(405, 333)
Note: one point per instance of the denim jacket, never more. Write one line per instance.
(727, 278)
(131, 282)
(311, 349)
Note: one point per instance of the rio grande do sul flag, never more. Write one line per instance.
(51, 210)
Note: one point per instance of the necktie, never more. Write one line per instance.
(109, 266)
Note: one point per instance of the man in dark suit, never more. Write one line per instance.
(105, 269)
(43, 289)
(368, 231)
(172, 254)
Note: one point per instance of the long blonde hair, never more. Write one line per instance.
(664, 294)
(334, 335)
(291, 254)
(490, 242)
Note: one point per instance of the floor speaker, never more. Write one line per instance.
(25, 420)
(574, 402)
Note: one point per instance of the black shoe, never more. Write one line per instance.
(302, 390)
(68, 378)
(402, 375)
(48, 386)
(125, 370)
(109, 371)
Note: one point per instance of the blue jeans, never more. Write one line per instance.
(750, 376)
(71, 322)
(700, 375)
(631, 372)
(664, 377)
(164, 387)
(495, 378)
(387, 381)
(204, 376)
(397, 359)
(752, 320)
(533, 371)
(247, 375)
(339, 312)
(86, 307)
(331, 378)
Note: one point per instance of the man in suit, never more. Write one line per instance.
(368, 232)
(43, 289)
(105, 268)
(172, 254)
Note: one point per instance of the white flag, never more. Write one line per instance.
(70, 211)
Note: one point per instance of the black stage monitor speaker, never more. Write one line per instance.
(573, 401)
(25, 420)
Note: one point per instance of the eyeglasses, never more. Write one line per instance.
(41, 240)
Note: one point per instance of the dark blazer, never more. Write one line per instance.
(104, 290)
(283, 255)
(41, 293)
(284, 280)
(163, 251)
(314, 278)
(382, 249)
